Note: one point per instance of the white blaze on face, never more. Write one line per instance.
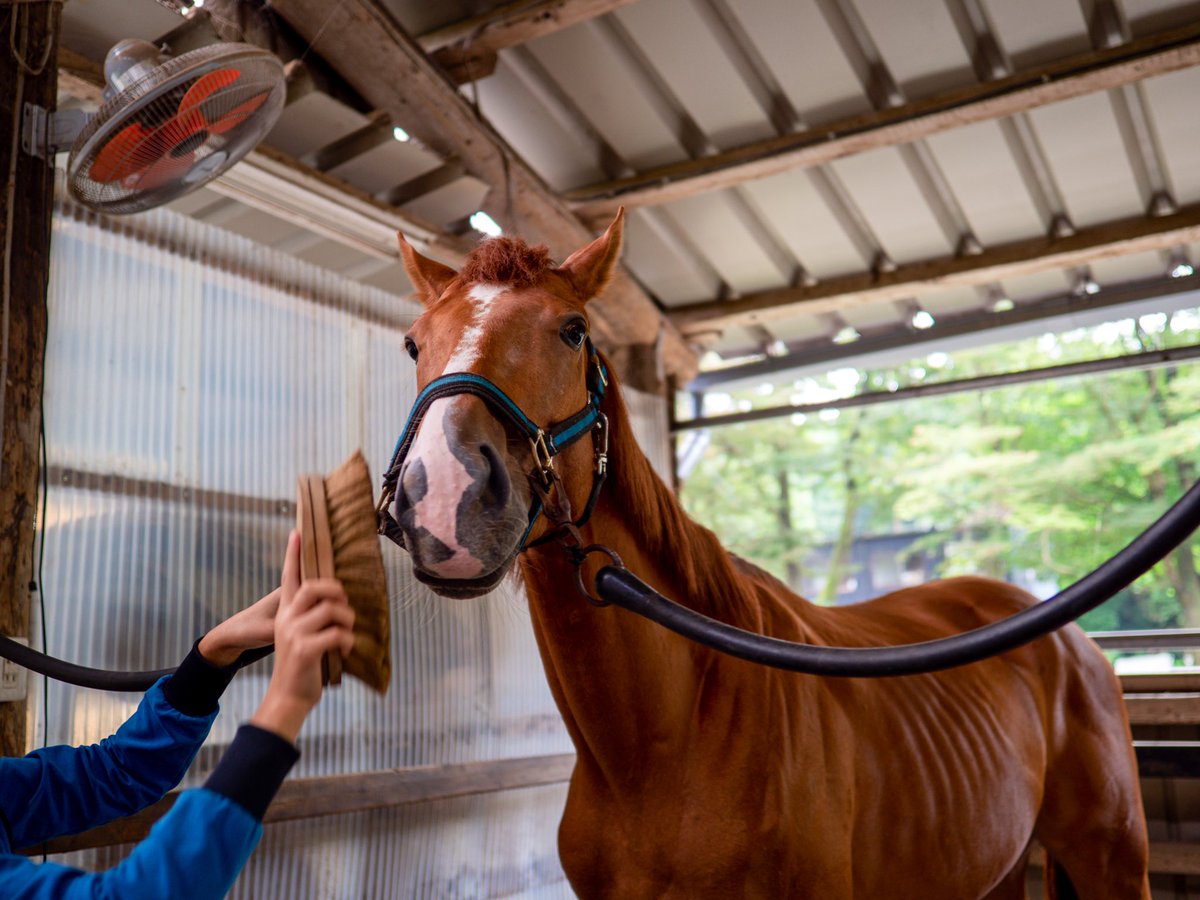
(447, 478)
(466, 354)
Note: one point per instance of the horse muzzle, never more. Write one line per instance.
(460, 517)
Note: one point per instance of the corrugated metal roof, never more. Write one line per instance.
(658, 82)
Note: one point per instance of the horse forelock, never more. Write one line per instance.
(506, 260)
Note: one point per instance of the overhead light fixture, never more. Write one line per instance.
(777, 348)
(1180, 267)
(485, 224)
(847, 335)
(1086, 284)
(400, 134)
(1002, 305)
(921, 319)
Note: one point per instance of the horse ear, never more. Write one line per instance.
(428, 276)
(591, 268)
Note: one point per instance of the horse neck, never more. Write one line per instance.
(622, 683)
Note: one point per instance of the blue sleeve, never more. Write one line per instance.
(194, 852)
(65, 790)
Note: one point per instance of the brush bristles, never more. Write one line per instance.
(358, 564)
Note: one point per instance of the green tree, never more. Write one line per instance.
(1041, 481)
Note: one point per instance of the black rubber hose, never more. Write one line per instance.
(620, 587)
(100, 679)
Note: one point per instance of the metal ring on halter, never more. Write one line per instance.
(582, 554)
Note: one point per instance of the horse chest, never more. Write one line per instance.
(688, 834)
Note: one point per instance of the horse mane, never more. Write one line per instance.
(692, 553)
(506, 260)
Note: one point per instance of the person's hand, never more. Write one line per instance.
(313, 618)
(252, 627)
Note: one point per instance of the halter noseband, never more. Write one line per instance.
(544, 443)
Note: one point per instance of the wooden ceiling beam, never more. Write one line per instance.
(377, 130)
(467, 49)
(1027, 257)
(515, 23)
(363, 42)
(1075, 76)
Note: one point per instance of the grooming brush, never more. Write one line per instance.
(338, 539)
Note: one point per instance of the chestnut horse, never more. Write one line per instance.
(701, 775)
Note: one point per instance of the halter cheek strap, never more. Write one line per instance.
(545, 443)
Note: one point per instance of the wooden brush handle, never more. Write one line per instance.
(316, 552)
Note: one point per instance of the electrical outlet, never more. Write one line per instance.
(13, 680)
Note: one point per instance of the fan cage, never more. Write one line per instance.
(161, 154)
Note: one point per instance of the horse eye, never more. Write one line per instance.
(411, 346)
(573, 333)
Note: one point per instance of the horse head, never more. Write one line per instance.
(502, 350)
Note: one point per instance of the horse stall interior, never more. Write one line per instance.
(807, 185)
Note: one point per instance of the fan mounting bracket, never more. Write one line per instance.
(46, 132)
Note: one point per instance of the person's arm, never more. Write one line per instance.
(198, 848)
(65, 790)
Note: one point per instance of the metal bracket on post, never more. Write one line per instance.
(44, 133)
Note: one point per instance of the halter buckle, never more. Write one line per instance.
(600, 440)
(542, 457)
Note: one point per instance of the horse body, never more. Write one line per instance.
(701, 775)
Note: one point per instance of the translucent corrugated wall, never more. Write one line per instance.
(190, 376)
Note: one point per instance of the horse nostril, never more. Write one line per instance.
(411, 487)
(496, 486)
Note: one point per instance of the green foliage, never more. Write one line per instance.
(1037, 483)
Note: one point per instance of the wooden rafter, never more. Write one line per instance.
(372, 52)
(516, 23)
(1075, 76)
(995, 264)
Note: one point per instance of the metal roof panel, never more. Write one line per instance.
(1087, 156)
(731, 249)
(672, 280)
(91, 27)
(1172, 102)
(601, 82)
(983, 174)
(805, 223)
(885, 192)
(1037, 31)
(798, 46)
(687, 55)
(919, 44)
(563, 156)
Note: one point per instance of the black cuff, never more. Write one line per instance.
(197, 684)
(252, 768)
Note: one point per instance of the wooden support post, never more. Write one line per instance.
(28, 75)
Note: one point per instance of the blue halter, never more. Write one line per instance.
(545, 443)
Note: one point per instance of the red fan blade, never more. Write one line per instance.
(163, 170)
(120, 157)
(238, 114)
(203, 88)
